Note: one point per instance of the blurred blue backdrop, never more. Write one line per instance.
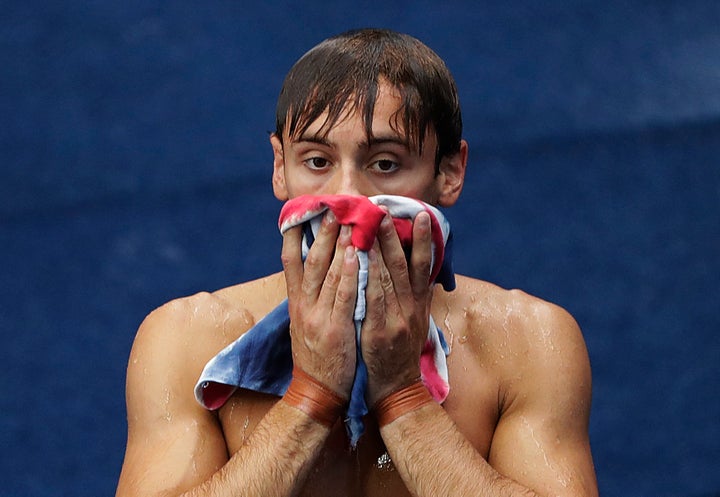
(134, 155)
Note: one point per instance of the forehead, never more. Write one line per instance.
(387, 117)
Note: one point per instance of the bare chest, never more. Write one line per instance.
(368, 470)
(341, 470)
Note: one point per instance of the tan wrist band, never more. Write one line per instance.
(313, 398)
(401, 402)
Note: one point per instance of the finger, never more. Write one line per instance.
(291, 257)
(320, 256)
(386, 284)
(393, 258)
(421, 255)
(334, 274)
(346, 293)
(374, 292)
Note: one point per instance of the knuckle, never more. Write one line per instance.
(332, 278)
(344, 296)
(313, 322)
(307, 289)
(285, 258)
(312, 260)
(386, 281)
(375, 300)
(398, 265)
(423, 266)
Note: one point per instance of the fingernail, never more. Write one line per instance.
(349, 253)
(330, 216)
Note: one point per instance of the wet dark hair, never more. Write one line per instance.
(347, 69)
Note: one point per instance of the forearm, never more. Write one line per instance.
(274, 460)
(434, 458)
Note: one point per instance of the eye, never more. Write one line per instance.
(384, 166)
(316, 163)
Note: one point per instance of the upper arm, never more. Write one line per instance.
(541, 439)
(173, 443)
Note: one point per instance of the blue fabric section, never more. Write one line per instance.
(357, 408)
(443, 342)
(262, 359)
(446, 276)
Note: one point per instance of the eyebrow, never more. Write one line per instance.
(320, 140)
(369, 143)
(387, 139)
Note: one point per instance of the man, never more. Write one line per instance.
(365, 113)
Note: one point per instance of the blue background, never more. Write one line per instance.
(136, 169)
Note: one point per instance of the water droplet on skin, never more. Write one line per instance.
(166, 401)
(384, 463)
(245, 427)
(446, 327)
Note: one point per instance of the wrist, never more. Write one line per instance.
(308, 395)
(401, 402)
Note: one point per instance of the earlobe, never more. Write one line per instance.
(452, 176)
(278, 176)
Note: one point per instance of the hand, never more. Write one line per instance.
(321, 296)
(397, 318)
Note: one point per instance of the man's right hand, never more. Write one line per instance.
(321, 293)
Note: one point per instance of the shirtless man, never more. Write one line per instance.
(366, 113)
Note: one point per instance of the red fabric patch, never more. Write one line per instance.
(355, 211)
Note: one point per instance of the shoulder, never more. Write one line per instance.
(175, 341)
(220, 316)
(198, 320)
(513, 315)
(531, 341)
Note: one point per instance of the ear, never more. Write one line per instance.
(452, 176)
(278, 176)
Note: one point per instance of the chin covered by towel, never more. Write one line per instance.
(261, 359)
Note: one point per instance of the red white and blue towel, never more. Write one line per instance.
(261, 359)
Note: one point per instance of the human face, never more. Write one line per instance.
(345, 161)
